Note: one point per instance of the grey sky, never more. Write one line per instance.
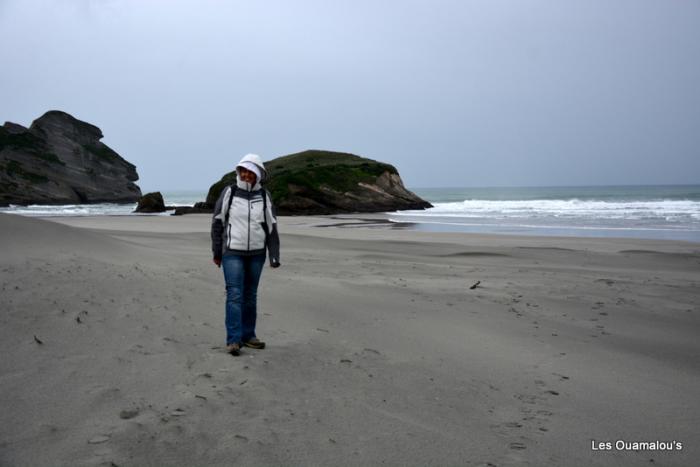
(453, 93)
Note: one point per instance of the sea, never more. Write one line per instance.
(658, 212)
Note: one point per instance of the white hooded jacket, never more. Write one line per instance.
(244, 222)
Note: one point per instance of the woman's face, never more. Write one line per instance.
(246, 175)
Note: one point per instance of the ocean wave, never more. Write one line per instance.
(176, 198)
(39, 210)
(669, 210)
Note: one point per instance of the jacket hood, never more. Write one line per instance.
(257, 160)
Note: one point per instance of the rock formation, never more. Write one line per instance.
(60, 160)
(324, 182)
(151, 202)
(198, 208)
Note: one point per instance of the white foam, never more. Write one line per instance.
(103, 209)
(669, 210)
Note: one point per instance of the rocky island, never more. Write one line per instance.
(61, 160)
(324, 182)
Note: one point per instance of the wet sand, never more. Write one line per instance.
(379, 351)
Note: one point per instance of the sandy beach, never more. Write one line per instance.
(379, 351)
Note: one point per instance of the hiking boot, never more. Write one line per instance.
(234, 349)
(254, 343)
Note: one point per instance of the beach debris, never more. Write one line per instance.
(475, 285)
(77, 318)
(128, 413)
(98, 439)
(37, 340)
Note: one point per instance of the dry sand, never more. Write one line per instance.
(378, 350)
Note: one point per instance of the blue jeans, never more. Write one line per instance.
(242, 275)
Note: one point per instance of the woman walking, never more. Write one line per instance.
(242, 228)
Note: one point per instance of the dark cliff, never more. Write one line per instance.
(324, 182)
(60, 160)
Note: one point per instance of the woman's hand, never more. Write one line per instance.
(217, 261)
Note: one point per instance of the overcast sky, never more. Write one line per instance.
(453, 93)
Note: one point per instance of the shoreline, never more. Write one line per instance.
(634, 211)
(343, 222)
(378, 348)
(383, 220)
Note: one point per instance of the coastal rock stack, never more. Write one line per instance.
(324, 182)
(60, 160)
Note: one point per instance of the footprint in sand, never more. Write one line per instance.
(98, 439)
(128, 414)
(528, 398)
